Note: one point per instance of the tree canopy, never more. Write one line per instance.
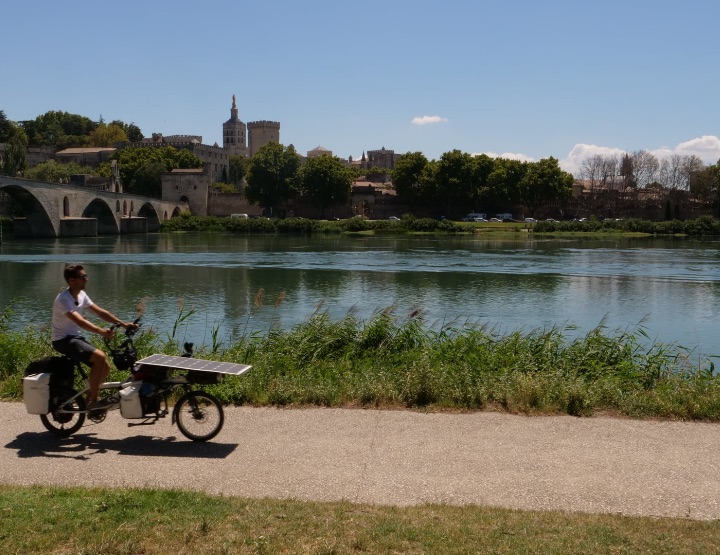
(14, 160)
(62, 130)
(141, 167)
(54, 171)
(459, 181)
(326, 181)
(107, 135)
(272, 175)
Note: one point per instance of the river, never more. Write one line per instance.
(668, 287)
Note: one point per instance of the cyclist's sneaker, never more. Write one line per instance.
(100, 404)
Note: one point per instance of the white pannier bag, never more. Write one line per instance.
(130, 406)
(36, 393)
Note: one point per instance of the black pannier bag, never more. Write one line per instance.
(61, 369)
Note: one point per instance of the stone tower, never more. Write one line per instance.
(234, 133)
(261, 133)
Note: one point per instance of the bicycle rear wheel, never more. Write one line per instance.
(62, 423)
(199, 415)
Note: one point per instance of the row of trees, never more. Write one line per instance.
(275, 175)
(459, 180)
(58, 130)
(640, 169)
(669, 177)
(62, 130)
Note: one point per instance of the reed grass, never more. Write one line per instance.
(397, 362)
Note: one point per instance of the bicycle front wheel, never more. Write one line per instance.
(199, 416)
(65, 416)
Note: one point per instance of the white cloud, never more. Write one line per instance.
(428, 119)
(707, 148)
(581, 152)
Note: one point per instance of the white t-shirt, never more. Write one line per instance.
(62, 326)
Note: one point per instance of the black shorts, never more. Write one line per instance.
(76, 347)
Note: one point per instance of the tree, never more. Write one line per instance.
(544, 181)
(107, 135)
(141, 167)
(16, 143)
(705, 186)
(272, 175)
(59, 129)
(132, 131)
(505, 183)
(645, 167)
(54, 171)
(458, 181)
(406, 177)
(326, 181)
(238, 168)
(5, 127)
(627, 172)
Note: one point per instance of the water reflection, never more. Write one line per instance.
(668, 285)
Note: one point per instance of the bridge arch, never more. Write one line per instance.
(101, 211)
(148, 212)
(37, 221)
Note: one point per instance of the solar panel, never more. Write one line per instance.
(187, 363)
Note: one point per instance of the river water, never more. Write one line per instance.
(668, 287)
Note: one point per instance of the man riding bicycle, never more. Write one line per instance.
(67, 325)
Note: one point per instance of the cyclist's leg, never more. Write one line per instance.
(99, 370)
(80, 350)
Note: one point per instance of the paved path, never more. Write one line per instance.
(598, 465)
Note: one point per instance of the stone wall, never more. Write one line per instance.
(225, 204)
(188, 187)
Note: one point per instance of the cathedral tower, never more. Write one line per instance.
(234, 133)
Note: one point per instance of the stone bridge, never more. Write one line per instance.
(59, 210)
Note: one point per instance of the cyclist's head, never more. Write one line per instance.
(73, 271)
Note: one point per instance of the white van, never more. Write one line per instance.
(243, 216)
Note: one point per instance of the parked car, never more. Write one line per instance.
(394, 219)
(530, 220)
(473, 217)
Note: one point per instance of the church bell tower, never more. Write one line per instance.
(235, 133)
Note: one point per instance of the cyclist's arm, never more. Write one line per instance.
(87, 325)
(108, 316)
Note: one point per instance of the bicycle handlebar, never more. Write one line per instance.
(129, 332)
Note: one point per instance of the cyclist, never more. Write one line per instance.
(68, 323)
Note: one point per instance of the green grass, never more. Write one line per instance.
(70, 521)
(393, 362)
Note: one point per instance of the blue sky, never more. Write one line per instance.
(525, 79)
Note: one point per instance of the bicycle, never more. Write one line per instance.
(49, 390)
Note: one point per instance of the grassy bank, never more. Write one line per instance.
(148, 522)
(397, 363)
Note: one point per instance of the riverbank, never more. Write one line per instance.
(704, 226)
(388, 363)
